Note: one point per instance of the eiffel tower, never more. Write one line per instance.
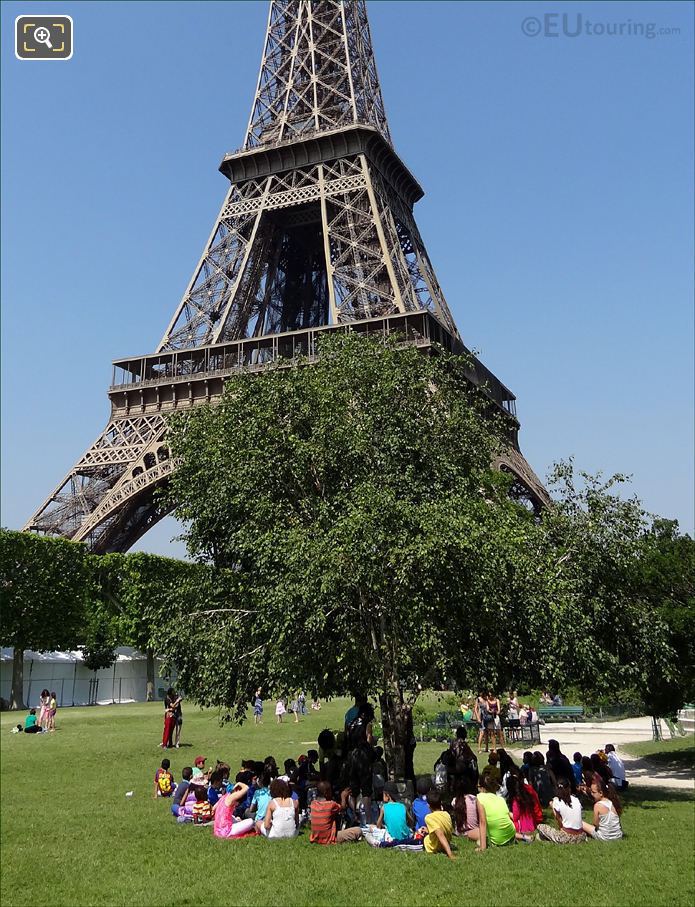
(316, 233)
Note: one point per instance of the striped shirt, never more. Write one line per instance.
(323, 816)
(202, 812)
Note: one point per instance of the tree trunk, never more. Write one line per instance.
(150, 675)
(17, 691)
(394, 722)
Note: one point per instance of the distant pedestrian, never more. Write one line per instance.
(169, 718)
(258, 707)
(280, 710)
(178, 719)
(44, 702)
(52, 709)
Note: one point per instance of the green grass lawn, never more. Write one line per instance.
(71, 837)
(677, 753)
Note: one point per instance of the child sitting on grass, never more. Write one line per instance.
(198, 770)
(492, 771)
(163, 780)
(494, 820)
(226, 825)
(30, 723)
(202, 810)
(324, 813)
(261, 799)
(438, 829)
(526, 809)
(577, 769)
(465, 809)
(607, 810)
(181, 791)
(420, 805)
(215, 788)
(393, 814)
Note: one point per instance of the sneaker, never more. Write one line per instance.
(411, 848)
(527, 839)
(177, 746)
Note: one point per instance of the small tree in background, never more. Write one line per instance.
(135, 592)
(45, 586)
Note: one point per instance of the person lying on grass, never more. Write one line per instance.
(324, 814)
(607, 810)
(438, 829)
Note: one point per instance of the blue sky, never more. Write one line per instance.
(558, 214)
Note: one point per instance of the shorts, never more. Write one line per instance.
(360, 772)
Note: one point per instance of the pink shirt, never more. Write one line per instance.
(224, 818)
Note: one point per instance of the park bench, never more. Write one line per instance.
(442, 727)
(558, 712)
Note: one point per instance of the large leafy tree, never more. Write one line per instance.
(666, 580)
(46, 591)
(624, 588)
(361, 538)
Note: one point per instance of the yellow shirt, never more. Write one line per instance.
(440, 818)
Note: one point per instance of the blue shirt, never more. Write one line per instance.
(248, 799)
(577, 769)
(261, 798)
(421, 808)
(213, 795)
(351, 714)
(394, 820)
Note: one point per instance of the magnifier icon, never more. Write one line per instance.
(43, 36)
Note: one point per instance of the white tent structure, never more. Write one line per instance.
(74, 684)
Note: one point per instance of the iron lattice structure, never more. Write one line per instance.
(316, 233)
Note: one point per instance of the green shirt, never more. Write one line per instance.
(30, 721)
(500, 828)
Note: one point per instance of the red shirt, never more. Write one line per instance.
(323, 816)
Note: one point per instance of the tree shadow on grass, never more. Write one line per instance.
(655, 797)
(675, 759)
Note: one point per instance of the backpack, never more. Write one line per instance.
(357, 732)
(164, 783)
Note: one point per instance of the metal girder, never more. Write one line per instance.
(316, 231)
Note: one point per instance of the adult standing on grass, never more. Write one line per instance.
(44, 702)
(258, 707)
(178, 719)
(169, 718)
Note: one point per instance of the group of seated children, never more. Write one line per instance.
(501, 805)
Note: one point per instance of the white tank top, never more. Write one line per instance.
(609, 828)
(283, 822)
